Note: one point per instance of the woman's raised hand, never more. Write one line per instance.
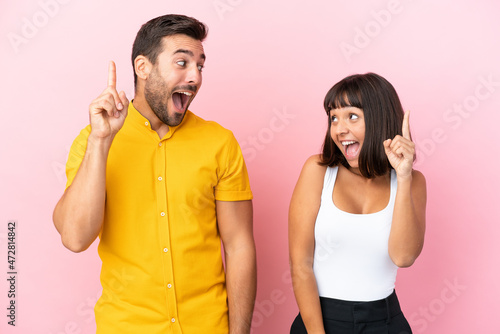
(401, 150)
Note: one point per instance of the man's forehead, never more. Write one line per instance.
(183, 44)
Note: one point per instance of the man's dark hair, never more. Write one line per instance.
(148, 41)
(383, 115)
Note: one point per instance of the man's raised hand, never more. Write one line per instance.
(108, 110)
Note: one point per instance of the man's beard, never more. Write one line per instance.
(154, 92)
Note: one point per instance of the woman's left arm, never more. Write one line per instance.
(408, 222)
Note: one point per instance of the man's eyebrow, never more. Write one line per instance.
(189, 52)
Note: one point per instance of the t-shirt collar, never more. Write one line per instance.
(136, 117)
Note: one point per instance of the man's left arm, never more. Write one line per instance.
(235, 221)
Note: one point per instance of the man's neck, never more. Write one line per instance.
(144, 109)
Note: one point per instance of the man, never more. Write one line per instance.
(161, 187)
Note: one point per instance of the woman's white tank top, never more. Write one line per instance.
(351, 255)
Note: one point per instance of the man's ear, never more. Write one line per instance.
(142, 67)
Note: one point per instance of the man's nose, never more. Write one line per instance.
(193, 75)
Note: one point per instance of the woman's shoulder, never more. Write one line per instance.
(313, 172)
(307, 192)
(418, 182)
(314, 162)
(418, 175)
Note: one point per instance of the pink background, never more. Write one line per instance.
(269, 66)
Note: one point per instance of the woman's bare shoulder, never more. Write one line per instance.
(313, 173)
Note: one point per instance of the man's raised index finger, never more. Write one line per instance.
(406, 125)
(112, 74)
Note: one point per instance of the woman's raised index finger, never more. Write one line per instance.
(112, 74)
(406, 125)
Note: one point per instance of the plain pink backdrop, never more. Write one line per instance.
(268, 68)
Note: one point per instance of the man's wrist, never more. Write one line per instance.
(98, 143)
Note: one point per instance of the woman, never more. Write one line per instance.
(357, 214)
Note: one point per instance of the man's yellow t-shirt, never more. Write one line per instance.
(162, 269)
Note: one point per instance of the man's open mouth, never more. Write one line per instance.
(181, 99)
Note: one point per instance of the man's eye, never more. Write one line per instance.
(181, 63)
(200, 68)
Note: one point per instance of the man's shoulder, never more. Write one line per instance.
(82, 137)
(198, 123)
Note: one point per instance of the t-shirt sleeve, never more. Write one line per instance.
(233, 184)
(76, 154)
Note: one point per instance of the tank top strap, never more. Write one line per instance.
(394, 187)
(329, 183)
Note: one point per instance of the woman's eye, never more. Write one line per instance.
(353, 116)
(334, 118)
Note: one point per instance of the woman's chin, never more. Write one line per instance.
(353, 163)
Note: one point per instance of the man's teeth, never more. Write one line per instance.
(186, 93)
(345, 143)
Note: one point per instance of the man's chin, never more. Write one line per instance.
(175, 119)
